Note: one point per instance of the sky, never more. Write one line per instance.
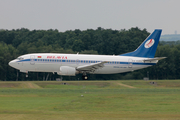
(66, 15)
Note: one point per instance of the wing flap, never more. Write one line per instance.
(91, 67)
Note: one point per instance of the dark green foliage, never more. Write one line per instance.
(14, 43)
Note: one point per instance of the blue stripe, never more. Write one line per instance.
(144, 63)
(83, 61)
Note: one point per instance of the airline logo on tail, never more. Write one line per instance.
(149, 43)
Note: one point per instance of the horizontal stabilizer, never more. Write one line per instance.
(154, 59)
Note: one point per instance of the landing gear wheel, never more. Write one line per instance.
(84, 77)
(26, 75)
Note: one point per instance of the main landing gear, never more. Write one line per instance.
(84, 77)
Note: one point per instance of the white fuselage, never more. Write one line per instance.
(51, 62)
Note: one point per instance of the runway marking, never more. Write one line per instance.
(128, 86)
(31, 85)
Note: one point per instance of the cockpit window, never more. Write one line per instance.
(20, 58)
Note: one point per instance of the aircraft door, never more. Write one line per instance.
(77, 62)
(20, 63)
(130, 63)
(32, 60)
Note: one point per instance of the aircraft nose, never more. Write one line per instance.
(12, 63)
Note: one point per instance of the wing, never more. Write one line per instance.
(91, 67)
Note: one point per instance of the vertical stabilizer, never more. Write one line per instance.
(148, 47)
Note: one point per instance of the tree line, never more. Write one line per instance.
(14, 43)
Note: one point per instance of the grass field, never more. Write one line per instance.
(90, 100)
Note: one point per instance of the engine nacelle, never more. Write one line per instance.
(67, 71)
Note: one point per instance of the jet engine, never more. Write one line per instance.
(66, 70)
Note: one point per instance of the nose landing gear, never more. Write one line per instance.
(26, 74)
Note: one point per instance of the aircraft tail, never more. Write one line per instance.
(148, 48)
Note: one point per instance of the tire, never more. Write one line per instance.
(84, 77)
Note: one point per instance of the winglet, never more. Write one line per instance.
(148, 48)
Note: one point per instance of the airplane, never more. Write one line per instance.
(72, 64)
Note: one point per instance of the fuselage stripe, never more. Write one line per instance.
(81, 61)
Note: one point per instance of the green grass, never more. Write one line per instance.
(106, 100)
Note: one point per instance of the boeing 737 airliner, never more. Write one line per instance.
(72, 64)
